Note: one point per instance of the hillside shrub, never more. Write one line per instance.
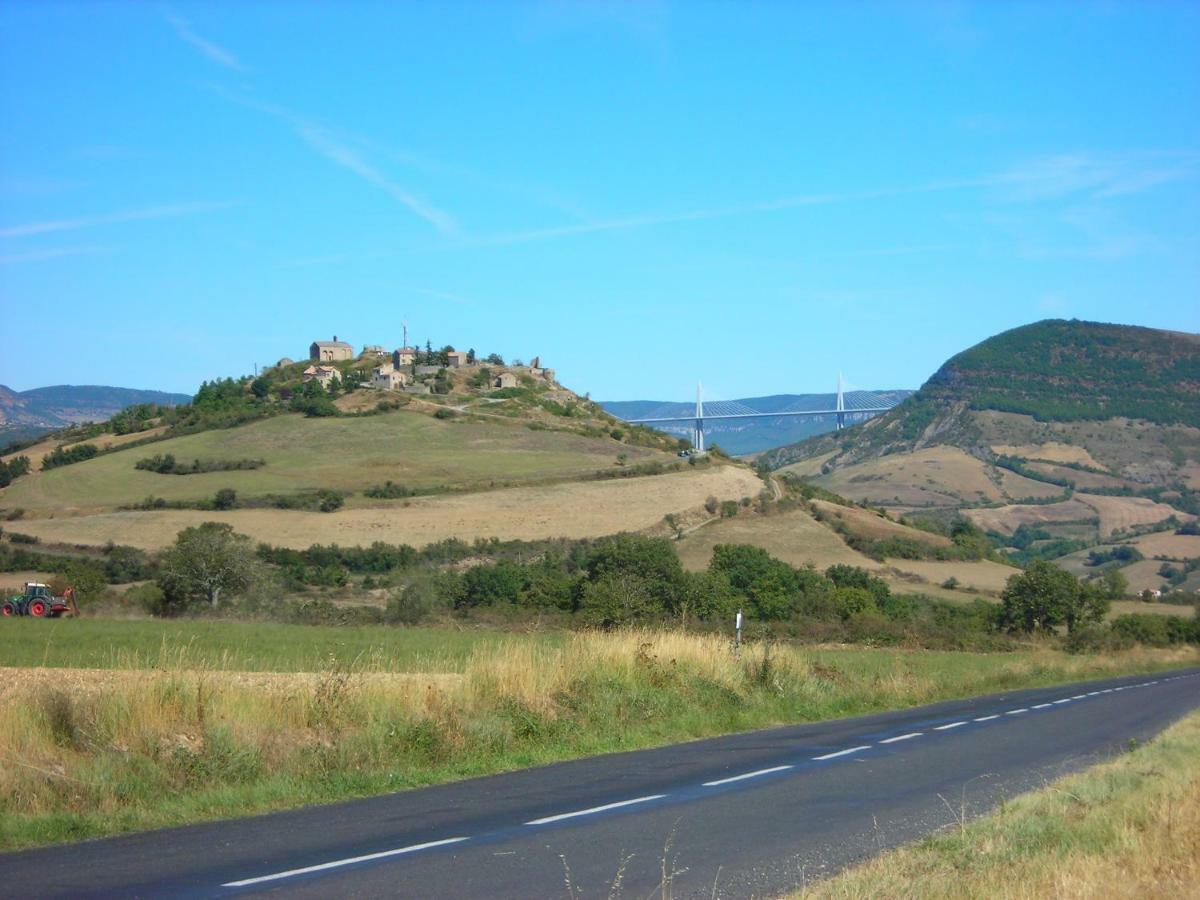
(65, 456)
(166, 464)
(13, 469)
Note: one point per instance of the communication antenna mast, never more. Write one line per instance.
(405, 326)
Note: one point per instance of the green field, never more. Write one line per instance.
(347, 454)
(240, 646)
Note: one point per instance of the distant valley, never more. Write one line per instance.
(28, 414)
(742, 437)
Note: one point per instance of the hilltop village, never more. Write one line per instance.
(410, 370)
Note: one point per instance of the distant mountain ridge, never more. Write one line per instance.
(745, 436)
(26, 414)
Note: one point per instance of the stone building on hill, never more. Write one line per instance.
(404, 356)
(323, 374)
(505, 380)
(388, 378)
(330, 351)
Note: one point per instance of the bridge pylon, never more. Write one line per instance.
(841, 405)
(698, 441)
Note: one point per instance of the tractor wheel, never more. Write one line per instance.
(8, 610)
(38, 609)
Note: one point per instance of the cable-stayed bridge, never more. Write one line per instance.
(857, 404)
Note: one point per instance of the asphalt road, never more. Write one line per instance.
(753, 814)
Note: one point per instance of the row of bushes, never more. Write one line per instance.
(166, 464)
(65, 456)
(227, 498)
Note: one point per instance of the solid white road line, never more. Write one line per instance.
(595, 809)
(747, 775)
(290, 873)
(988, 718)
(951, 725)
(842, 752)
(902, 737)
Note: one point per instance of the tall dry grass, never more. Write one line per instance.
(88, 751)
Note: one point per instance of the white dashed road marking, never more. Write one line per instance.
(842, 753)
(595, 809)
(902, 737)
(951, 725)
(291, 873)
(747, 775)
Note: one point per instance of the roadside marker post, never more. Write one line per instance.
(737, 639)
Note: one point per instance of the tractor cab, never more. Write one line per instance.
(35, 589)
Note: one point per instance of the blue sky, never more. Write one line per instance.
(755, 195)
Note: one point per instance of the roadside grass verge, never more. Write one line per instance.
(88, 752)
(1126, 828)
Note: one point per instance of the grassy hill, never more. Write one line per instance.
(1051, 372)
(1052, 437)
(466, 460)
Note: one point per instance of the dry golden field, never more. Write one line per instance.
(807, 468)
(981, 574)
(574, 510)
(1019, 487)
(938, 476)
(1123, 512)
(1006, 519)
(1143, 575)
(868, 524)
(1169, 544)
(794, 537)
(1051, 451)
(1081, 479)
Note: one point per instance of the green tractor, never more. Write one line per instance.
(39, 602)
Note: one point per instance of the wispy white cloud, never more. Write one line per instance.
(50, 253)
(130, 215)
(1098, 176)
(702, 215)
(335, 149)
(343, 151)
(1049, 178)
(215, 52)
